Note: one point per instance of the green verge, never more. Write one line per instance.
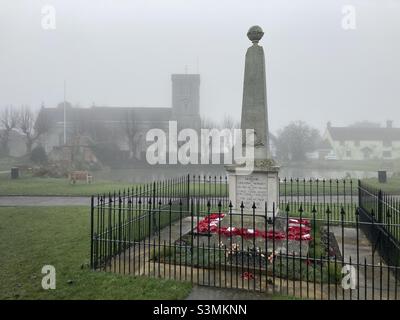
(392, 186)
(32, 186)
(33, 237)
(36, 186)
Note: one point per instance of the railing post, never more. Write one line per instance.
(380, 206)
(153, 211)
(188, 191)
(119, 223)
(109, 241)
(91, 231)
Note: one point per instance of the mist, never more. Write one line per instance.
(120, 53)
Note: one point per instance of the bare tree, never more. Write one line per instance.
(230, 123)
(80, 126)
(32, 127)
(207, 123)
(295, 140)
(8, 122)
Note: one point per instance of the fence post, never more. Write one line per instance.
(153, 211)
(359, 193)
(188, 191)
(91, 230)
(119, 223)
(380, 206)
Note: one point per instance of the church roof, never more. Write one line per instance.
(106, 114)
(136, 113)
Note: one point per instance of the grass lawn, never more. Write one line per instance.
(360, 165)
(33, 237)
(32, 186)
(305, 188)
(35, 186)
(391, 187)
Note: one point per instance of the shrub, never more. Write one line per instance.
(38, 155)
(107, 153)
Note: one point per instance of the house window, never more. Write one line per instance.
(387, 143)
(348, 153)
(367, 152)
(387, 154)
(357, 143)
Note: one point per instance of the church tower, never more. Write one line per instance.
(186, 100)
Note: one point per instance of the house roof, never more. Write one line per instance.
(363, 134)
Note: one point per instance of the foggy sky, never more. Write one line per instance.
(122, 53)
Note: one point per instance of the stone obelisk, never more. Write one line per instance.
(261, 185)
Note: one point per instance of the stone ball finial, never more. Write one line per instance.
(255, 34)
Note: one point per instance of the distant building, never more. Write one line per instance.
(363, 143)
(16, 143)
(109, 124)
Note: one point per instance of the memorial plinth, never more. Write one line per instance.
(260, 186)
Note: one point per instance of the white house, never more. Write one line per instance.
(362, 143)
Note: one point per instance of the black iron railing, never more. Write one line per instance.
(324, 240)
(381, 214)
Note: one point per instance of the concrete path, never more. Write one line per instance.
(212, 293)
(28, 201)
(374, 280)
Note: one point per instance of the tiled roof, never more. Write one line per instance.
(364, 134)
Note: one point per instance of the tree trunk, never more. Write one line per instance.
(29, 144)
(4, 149)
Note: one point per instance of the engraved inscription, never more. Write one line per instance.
(252, 188)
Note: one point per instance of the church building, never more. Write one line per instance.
(124, 126)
